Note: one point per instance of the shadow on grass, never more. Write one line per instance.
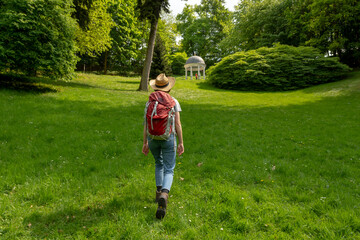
(37, 85)
(69, 221)
(324, 87)
(23, 84)
(62, 83)
(72, 84)
(208, 86)
(129, 82)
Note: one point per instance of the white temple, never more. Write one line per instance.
(195, 63)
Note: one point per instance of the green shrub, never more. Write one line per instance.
(279, 68)
(177, 61)
(37, 36)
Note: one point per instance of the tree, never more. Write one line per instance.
(169, 33)
(334, 27)
(150, 10)
(126, 37)
(203, 27)
(94, 37)
(260, 24)
(81, 13)
(37, 36)
(177, 62)
(160, 62)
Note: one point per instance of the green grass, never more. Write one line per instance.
(274, 165)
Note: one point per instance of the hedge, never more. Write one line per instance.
(278, 68)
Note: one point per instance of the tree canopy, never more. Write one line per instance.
(203, 27)
(94, 37)
(332, 26)
(126, 35)
(160, 61)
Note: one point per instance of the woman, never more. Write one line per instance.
(163, 147)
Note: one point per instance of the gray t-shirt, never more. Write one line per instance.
(177, 105)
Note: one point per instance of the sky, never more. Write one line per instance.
(176, 6)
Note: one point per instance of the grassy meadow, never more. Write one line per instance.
(282, 165)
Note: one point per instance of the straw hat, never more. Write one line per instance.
(162, 83)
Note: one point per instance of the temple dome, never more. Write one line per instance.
(195, 59)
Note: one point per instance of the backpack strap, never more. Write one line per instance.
(171, 122)
(153, 113)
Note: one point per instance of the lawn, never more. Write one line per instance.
(283, 165)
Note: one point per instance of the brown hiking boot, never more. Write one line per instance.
(157, 196)
(162, 203)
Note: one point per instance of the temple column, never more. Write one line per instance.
(198, 72)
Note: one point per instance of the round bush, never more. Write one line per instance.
(272, 69)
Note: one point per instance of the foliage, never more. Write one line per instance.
(329, 25)
(177, 62)
(203, 27)
(279, 68)
(127, 39)
(95, 38)
(259, 24)
(168, 32)
(334, 26)
(81, 13)
(279, 165)
(151, 10)
(160, 61)
(37, 36)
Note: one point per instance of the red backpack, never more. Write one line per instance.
(160, 115)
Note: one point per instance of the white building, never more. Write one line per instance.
(195, 63)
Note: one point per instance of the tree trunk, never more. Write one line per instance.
(149, 55)
(105, 62)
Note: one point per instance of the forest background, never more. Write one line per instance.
(54, 38)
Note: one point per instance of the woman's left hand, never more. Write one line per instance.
(180, 148)
(145, 149)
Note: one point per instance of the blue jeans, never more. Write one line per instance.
(164, 152)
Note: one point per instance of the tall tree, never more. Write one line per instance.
(203, 27)
(150, 10)
(169, 33)
(160, 63)
(260, 24)
(126, 37)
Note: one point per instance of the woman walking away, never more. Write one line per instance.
(162, 125)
